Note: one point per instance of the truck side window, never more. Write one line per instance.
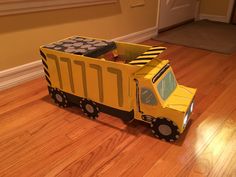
(148, 97)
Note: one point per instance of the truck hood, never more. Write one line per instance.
(181, 98)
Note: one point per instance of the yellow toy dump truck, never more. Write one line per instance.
(122, 79)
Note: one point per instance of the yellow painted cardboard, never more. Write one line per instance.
(116, 84)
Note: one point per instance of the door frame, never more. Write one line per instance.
(158, 15)
(231, 8)
(226, 18)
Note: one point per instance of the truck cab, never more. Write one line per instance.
(161, 101)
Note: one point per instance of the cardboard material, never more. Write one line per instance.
(126, 80)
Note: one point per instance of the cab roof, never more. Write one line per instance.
(152, 68)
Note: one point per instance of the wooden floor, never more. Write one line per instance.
(39, 139)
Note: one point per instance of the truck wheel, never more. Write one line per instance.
(59, 97)
(165, 129)
(89, 108)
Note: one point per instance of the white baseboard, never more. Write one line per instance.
(139, 36)
(23, 73)
(20, 74)
(217, 18)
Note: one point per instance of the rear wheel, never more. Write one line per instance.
(165, 129)
(59, 97)
(89, 108)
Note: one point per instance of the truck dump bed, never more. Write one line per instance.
(80, 66)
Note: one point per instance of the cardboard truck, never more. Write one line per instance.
(122, 79)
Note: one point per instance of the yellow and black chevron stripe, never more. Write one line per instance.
(147, 56)
(45, 67)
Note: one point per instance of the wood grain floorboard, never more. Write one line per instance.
(38, 139)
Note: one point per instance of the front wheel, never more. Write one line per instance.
(89, 108)
(165, 129)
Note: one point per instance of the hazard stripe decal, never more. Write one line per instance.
(152, 52)
(143, 58)
(157, 48)
(141, 63)
(49, 82)
(44, 63)
(147, 56)
(46, 72)
(138, 61)
(45, 68)
(43, 55)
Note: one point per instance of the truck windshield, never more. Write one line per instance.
(167, 85)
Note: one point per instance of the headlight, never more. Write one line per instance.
(185, 120)
(191, 107)
(190, 110)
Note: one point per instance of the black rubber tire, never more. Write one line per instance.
(165, 129)
(59, 97)
(89, 108)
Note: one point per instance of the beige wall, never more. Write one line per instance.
(21, 35)
(214, 7)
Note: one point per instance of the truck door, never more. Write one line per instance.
(146, 101)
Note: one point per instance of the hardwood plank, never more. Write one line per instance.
(200, 134)
(23, 94)
(216, 154)
(102, 155)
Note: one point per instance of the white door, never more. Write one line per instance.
(173, 12)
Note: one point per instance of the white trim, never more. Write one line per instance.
(24, 6)
(23, 73)
(197, 10)
(230, 10)
(158, 16)
(139, 36)
(213, 18)
(20, 74)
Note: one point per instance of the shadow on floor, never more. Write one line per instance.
(135, 128)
